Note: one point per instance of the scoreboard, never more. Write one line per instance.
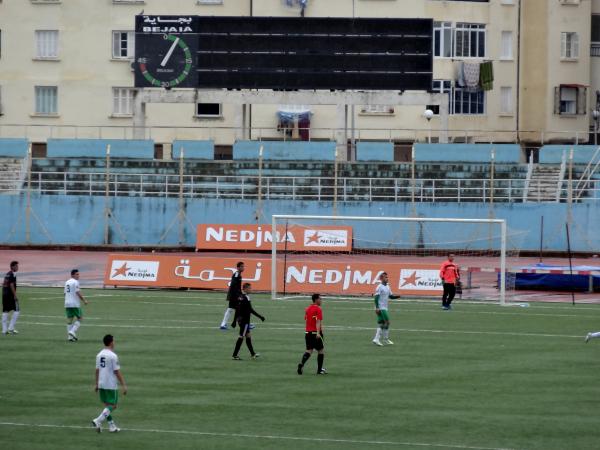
(283, 53)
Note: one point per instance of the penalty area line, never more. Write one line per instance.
(262, 436)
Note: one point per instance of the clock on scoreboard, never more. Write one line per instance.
(165, 52)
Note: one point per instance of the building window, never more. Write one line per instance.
(570, 99)
(123, 44)
(464, 40)
(210, 2)
(569, 45)
(595, 28)
(208, 110)
(595, 38)
(506, 100)
(123, 101)
(442, 39)
(46, 44)
(441, 86)
(469, 40)
(507, 45)
(466, 102)
(46, 100)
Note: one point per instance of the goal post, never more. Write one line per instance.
(420, 240)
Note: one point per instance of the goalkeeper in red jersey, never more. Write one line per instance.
(450, 276)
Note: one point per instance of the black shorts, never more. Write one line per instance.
(9, 303)
(312, 341)
(244, 327)
(233, 304)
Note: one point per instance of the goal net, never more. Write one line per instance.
(343, 256)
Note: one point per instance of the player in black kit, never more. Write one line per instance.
(9, 300)
(244, 310)
(233, 295)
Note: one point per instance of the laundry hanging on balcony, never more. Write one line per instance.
(475, 76)
(486, 76)
(294, 122)
(471, 74)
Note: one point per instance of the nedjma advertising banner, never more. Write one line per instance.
(303, 275)
(260, 237)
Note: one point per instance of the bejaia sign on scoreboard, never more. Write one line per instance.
(283, 53)
(165, 51)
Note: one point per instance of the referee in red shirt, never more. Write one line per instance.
(313, 315)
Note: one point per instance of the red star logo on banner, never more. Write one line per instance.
(121, 270)
(412, 279)
(314, 238)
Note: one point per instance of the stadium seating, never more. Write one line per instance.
(308, 166)
(12, 152)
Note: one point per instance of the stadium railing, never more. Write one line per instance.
(278, 187)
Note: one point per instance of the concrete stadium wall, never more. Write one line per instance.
(552, 154)
(13, 148)
(284, 150)
(142, 221)
(96, 148)
(471, 153)
(194, 149)
(374, 151)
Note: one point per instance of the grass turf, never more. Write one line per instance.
(479, 377)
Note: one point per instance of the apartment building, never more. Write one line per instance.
(66, 71)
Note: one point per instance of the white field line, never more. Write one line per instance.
(221, 298)
(261, 436)
(300, 328)
(400, 308)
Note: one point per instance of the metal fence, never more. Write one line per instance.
(293, 188)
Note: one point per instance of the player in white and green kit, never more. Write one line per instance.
(382, 294)
(73, 300)
(108, 373)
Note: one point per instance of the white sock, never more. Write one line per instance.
(13, 320)
(4, 322)
(386, 334)
(227, 316)
(103, 415)
(595, 335)
(69, 325)
(377, 334)
(75, 326)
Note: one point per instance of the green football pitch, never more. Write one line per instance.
(478, 377)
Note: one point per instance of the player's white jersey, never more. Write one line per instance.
(384, 293)
(107, 362)
(71, 297)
